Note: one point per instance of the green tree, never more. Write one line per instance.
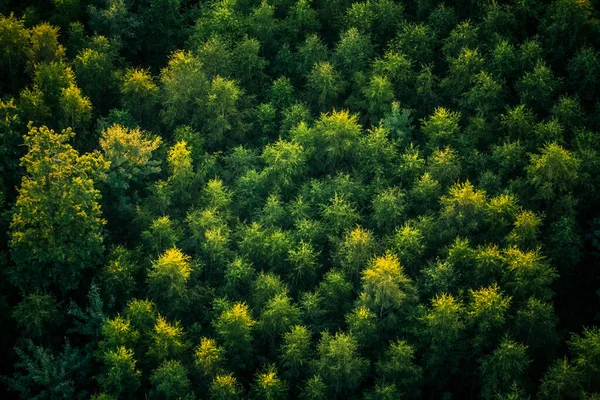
(339, 364)
(130, 153)
(168, 277)
(56, 230)
(444, 330)
(120, 377)
(277, 317)
(325, 85)
(234, 327)
(362, 325)
(220, 111)
(267, 385)
(553, 172)
(209, 357)
(140, 95)
(96, 72)
(296, 351)
(488, 313)
(225, 387)
(398, 366)
(167, 340)
(183, 83)
(37, 314)
(537, 88)
(355, 251)
(170, 381)
(386, 285)
(45, 46)
(441, 128)
(353, 52)
(504, 367)
(40, 373)
(14, 41)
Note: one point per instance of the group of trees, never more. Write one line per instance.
(312, 199)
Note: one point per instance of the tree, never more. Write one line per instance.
(488, 312)
(140, 95)
(285, 162)
(170, 381)
(537, 88)
(441, 128)
(325, 85)
(76, 110)
(130, 153)
(566, 24)
(416, 41)
(296, 351)
(94, 67)
(167, 340)
(162, 234)
(167, 279)
(268, 386)
(220, 111)
(312, 52)
(120, 377)
(553, 172)
(561, 381)
(583, 70)
(444, 166)
(385, 284)
(464, 207)
(444, 328)
(116, 332)
(116, 20)
(339, 364)
(398, 366)
(50, 79)
(339, 132)
(355, 251)
(14, 40)
(56, 230)
(225, 387)
(380, 97)
(303, 260)
(362, 325)
(464, 69)
(535, 326)
(37, 314)
(353, 52)
(209, 357)
(277, 317)
(234, 327)
(528, 274)
(585, 349)
(183, 82)
(45, 47)
(503, 368)
(340, 215)
(119, 273)
(40, 373)
(408, 243)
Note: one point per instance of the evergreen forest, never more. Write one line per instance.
(300, 199)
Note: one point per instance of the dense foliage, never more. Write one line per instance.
(306, 199)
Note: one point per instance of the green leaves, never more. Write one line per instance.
(339, 364)
(56, 230)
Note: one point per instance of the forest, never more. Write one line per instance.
(300, 199)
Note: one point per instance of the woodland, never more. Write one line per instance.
(300, 199)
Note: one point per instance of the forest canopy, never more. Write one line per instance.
(300, 199)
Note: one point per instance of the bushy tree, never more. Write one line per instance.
(56, 230)
(339, 364)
